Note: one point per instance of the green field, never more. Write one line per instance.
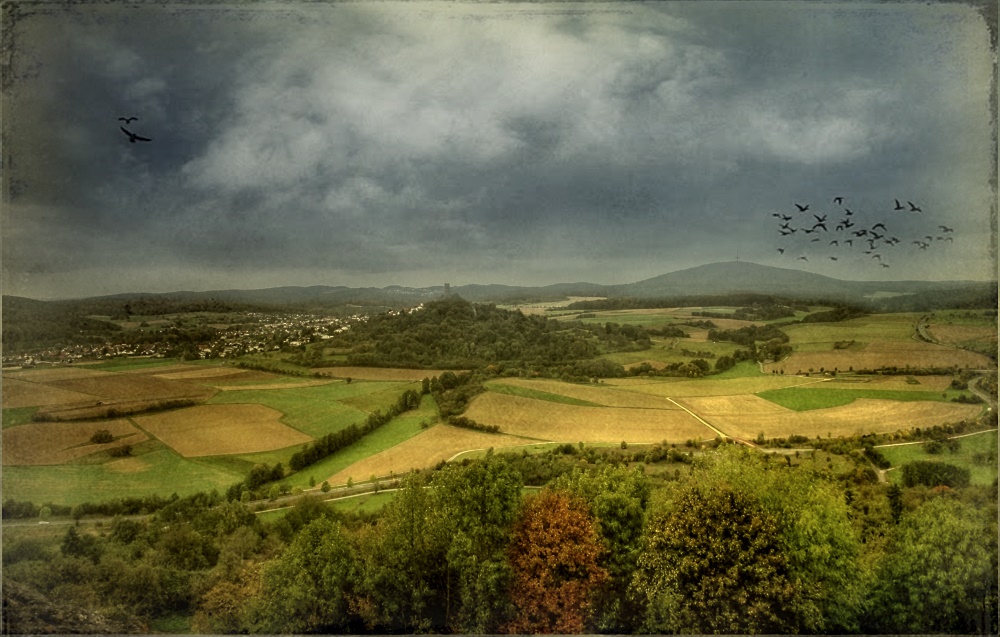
(981, 473)
(320, 409)
(807, 337)
(18, 416)
(806, 398)
(392, 433)
(159, 471)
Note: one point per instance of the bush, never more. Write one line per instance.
(102, 436)
(932, 474)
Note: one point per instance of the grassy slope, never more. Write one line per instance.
(980, 473)
(18, 416)
(392, 433)
(321, 409)
(160, 471)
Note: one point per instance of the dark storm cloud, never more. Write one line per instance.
(379, 143)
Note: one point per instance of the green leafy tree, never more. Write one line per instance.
(478, 504)
(818, 538)
(554, 556)
(307, 589)
(714, 563)
(939, 575)
(403, 568)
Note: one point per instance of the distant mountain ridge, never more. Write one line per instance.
(712, 279)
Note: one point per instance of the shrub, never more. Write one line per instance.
(102, 436)
(932, 474)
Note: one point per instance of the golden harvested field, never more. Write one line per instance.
(558, 422)
(60, 442)
(673, 388)
(747, 416)
(608, 396)
(440, 442)
(882, 354)
(212, 430)
(381, 373)
(21, 393)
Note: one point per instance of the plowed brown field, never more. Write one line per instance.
(60, 442)
(21, 393)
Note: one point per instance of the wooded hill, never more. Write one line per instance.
(453, 333)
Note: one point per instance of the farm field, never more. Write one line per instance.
(747, 416)
(971, 454)
(212, 430)
(549, 421)
(395, 432)
(430, 447)
(49, 443)
(159, 471)
(318, 409)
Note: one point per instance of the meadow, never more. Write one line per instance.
(971, 454)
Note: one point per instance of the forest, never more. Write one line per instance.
(726, 541)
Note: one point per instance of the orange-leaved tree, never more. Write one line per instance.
(554, 558)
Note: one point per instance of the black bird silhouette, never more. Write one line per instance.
(849, 242)
(914, 208)
(899, 206)
(802, 259)
(946, 229)
(834, 243)
(879, 225)
(132, 137)
(802, 208)
(838, 200)
(820, 219)
(781, 251)
(848, 212)
(884, 265)
(832, 258)
(127, 120)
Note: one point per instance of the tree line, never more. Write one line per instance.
(729, 543)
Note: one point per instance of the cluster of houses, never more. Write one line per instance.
(257, 333)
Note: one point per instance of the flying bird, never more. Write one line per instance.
(835, 243)
(133, 138)
(832, 258)
(914, 208)
(838, 200)
(879, 225)
(127, 120)
(781, 251)
(820, 219)
(946, 229)
(848, 212)
(820, 225)
(884, 265)
(899, 206)
(802, 208)
(802, 259)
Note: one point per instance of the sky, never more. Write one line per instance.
(389, 143)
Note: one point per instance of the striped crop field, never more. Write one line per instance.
(544, 420)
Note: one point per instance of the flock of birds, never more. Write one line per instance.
(132, 137)
(805, 230)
